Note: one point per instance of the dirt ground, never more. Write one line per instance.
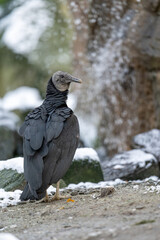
(131, 212)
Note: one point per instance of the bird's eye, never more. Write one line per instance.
(62, 76)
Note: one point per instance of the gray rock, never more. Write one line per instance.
(10, 142)
(84, 168)
(130, 165)
(148, 142)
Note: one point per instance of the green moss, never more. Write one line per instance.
(144, 222)
(84, 171)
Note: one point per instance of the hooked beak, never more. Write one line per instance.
(74, 79)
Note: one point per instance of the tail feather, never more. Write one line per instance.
(27, 194)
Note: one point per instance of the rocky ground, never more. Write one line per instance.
(130, 212)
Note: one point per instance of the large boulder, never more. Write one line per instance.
(10, 142)
(131, 165)
(84, 168)
(148, 142)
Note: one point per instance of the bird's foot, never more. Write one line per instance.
(59, 197)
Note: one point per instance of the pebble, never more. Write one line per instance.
(107, 191)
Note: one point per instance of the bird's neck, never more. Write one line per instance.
(54, 97)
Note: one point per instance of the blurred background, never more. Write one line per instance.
(113, 45)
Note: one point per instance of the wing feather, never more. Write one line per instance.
(47, 145)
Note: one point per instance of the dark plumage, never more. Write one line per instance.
(50, 138)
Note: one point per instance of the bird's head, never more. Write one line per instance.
(62, 80)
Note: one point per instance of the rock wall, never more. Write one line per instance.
(122, 75)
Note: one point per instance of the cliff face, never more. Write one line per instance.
(121, 68)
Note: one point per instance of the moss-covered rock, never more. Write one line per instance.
(11, 180)
(84, 171)
(84, 168)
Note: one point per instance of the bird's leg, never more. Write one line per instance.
(57, 195)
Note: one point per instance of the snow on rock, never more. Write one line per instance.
(89, 185)
(8, 119)
(23, 28)
(86, 153)
(17, 163)
(130, 165)
(148, 142)
(13, 163)
(9, 198)
(22, 98)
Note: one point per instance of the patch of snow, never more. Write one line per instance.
(8, 119)
(89, 185)
(7, 236)
(23, 28)
(151, 178)
(13, 163)
(152, 189)
(136, 187)
(86, 153)
(9, 198)
(17, 163)
(135, 157)
(51, 190)
(149, 141)
(12, 198)
(22, 98)
(118, 166)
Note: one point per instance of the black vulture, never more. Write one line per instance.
(50, 138)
